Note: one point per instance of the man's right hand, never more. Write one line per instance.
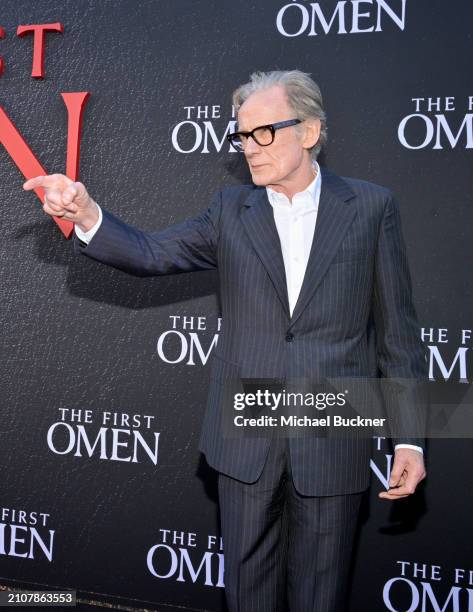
(67, 199)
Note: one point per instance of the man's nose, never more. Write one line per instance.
(251, 146)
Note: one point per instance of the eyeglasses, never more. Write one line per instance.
(262, 135)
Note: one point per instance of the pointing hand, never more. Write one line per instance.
(67, 199)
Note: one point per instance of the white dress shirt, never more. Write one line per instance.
(295, 222)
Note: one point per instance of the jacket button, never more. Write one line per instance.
(289, 337)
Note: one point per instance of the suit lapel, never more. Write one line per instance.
(334, 217)
(333, 220)
(258, 219)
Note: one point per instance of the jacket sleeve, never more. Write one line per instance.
(400, 351)
(184, 247)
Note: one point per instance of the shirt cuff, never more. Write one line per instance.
(87, 236)
(412, 446)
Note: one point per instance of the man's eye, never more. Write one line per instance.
(263, 135)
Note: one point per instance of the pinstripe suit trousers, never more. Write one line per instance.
(283, 550)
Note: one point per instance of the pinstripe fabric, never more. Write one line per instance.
(354, 313)
(291, 531)
(254, 531)
(277, 539)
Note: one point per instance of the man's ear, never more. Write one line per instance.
(311, 133)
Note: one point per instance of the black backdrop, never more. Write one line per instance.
(79, 336)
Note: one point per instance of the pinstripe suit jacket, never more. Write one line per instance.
(354, 316)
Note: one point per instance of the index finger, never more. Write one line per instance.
(50, 180)
(37, 181)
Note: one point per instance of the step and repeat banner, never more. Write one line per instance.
(104, 376)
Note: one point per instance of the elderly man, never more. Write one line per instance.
(310, 266)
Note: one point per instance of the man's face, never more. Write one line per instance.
(280, 163)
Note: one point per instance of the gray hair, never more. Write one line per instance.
(302, 92)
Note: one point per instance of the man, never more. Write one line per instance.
(311, 266)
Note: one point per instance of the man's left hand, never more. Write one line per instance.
(408, 470)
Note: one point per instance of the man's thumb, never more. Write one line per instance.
(81, 197)
(396, 474)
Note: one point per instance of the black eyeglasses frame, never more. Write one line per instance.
(272, 128)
